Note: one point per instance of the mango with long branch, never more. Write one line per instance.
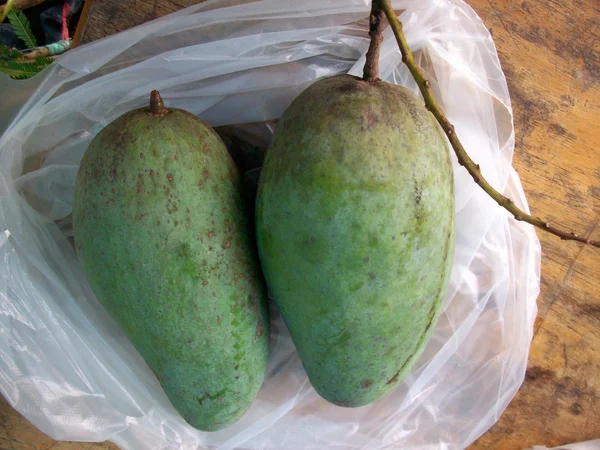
(355, 223)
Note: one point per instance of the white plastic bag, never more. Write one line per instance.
(67, 367)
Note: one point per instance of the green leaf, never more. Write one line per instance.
(19, 70)
(22, 29)
(9, 53)
(43, 61)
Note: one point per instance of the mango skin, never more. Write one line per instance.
(355, 231)
(162, 236)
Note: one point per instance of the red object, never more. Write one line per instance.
(66, 11)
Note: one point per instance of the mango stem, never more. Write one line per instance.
(157, 107)
(371, 70)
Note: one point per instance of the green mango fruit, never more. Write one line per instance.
(355, 229)
(163, 239)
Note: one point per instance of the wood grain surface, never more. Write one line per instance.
(550, 52)
(106, 17)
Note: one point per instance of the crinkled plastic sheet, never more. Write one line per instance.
(68, 368)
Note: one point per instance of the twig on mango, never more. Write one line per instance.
(463, 158)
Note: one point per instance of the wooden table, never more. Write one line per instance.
(550, 52)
